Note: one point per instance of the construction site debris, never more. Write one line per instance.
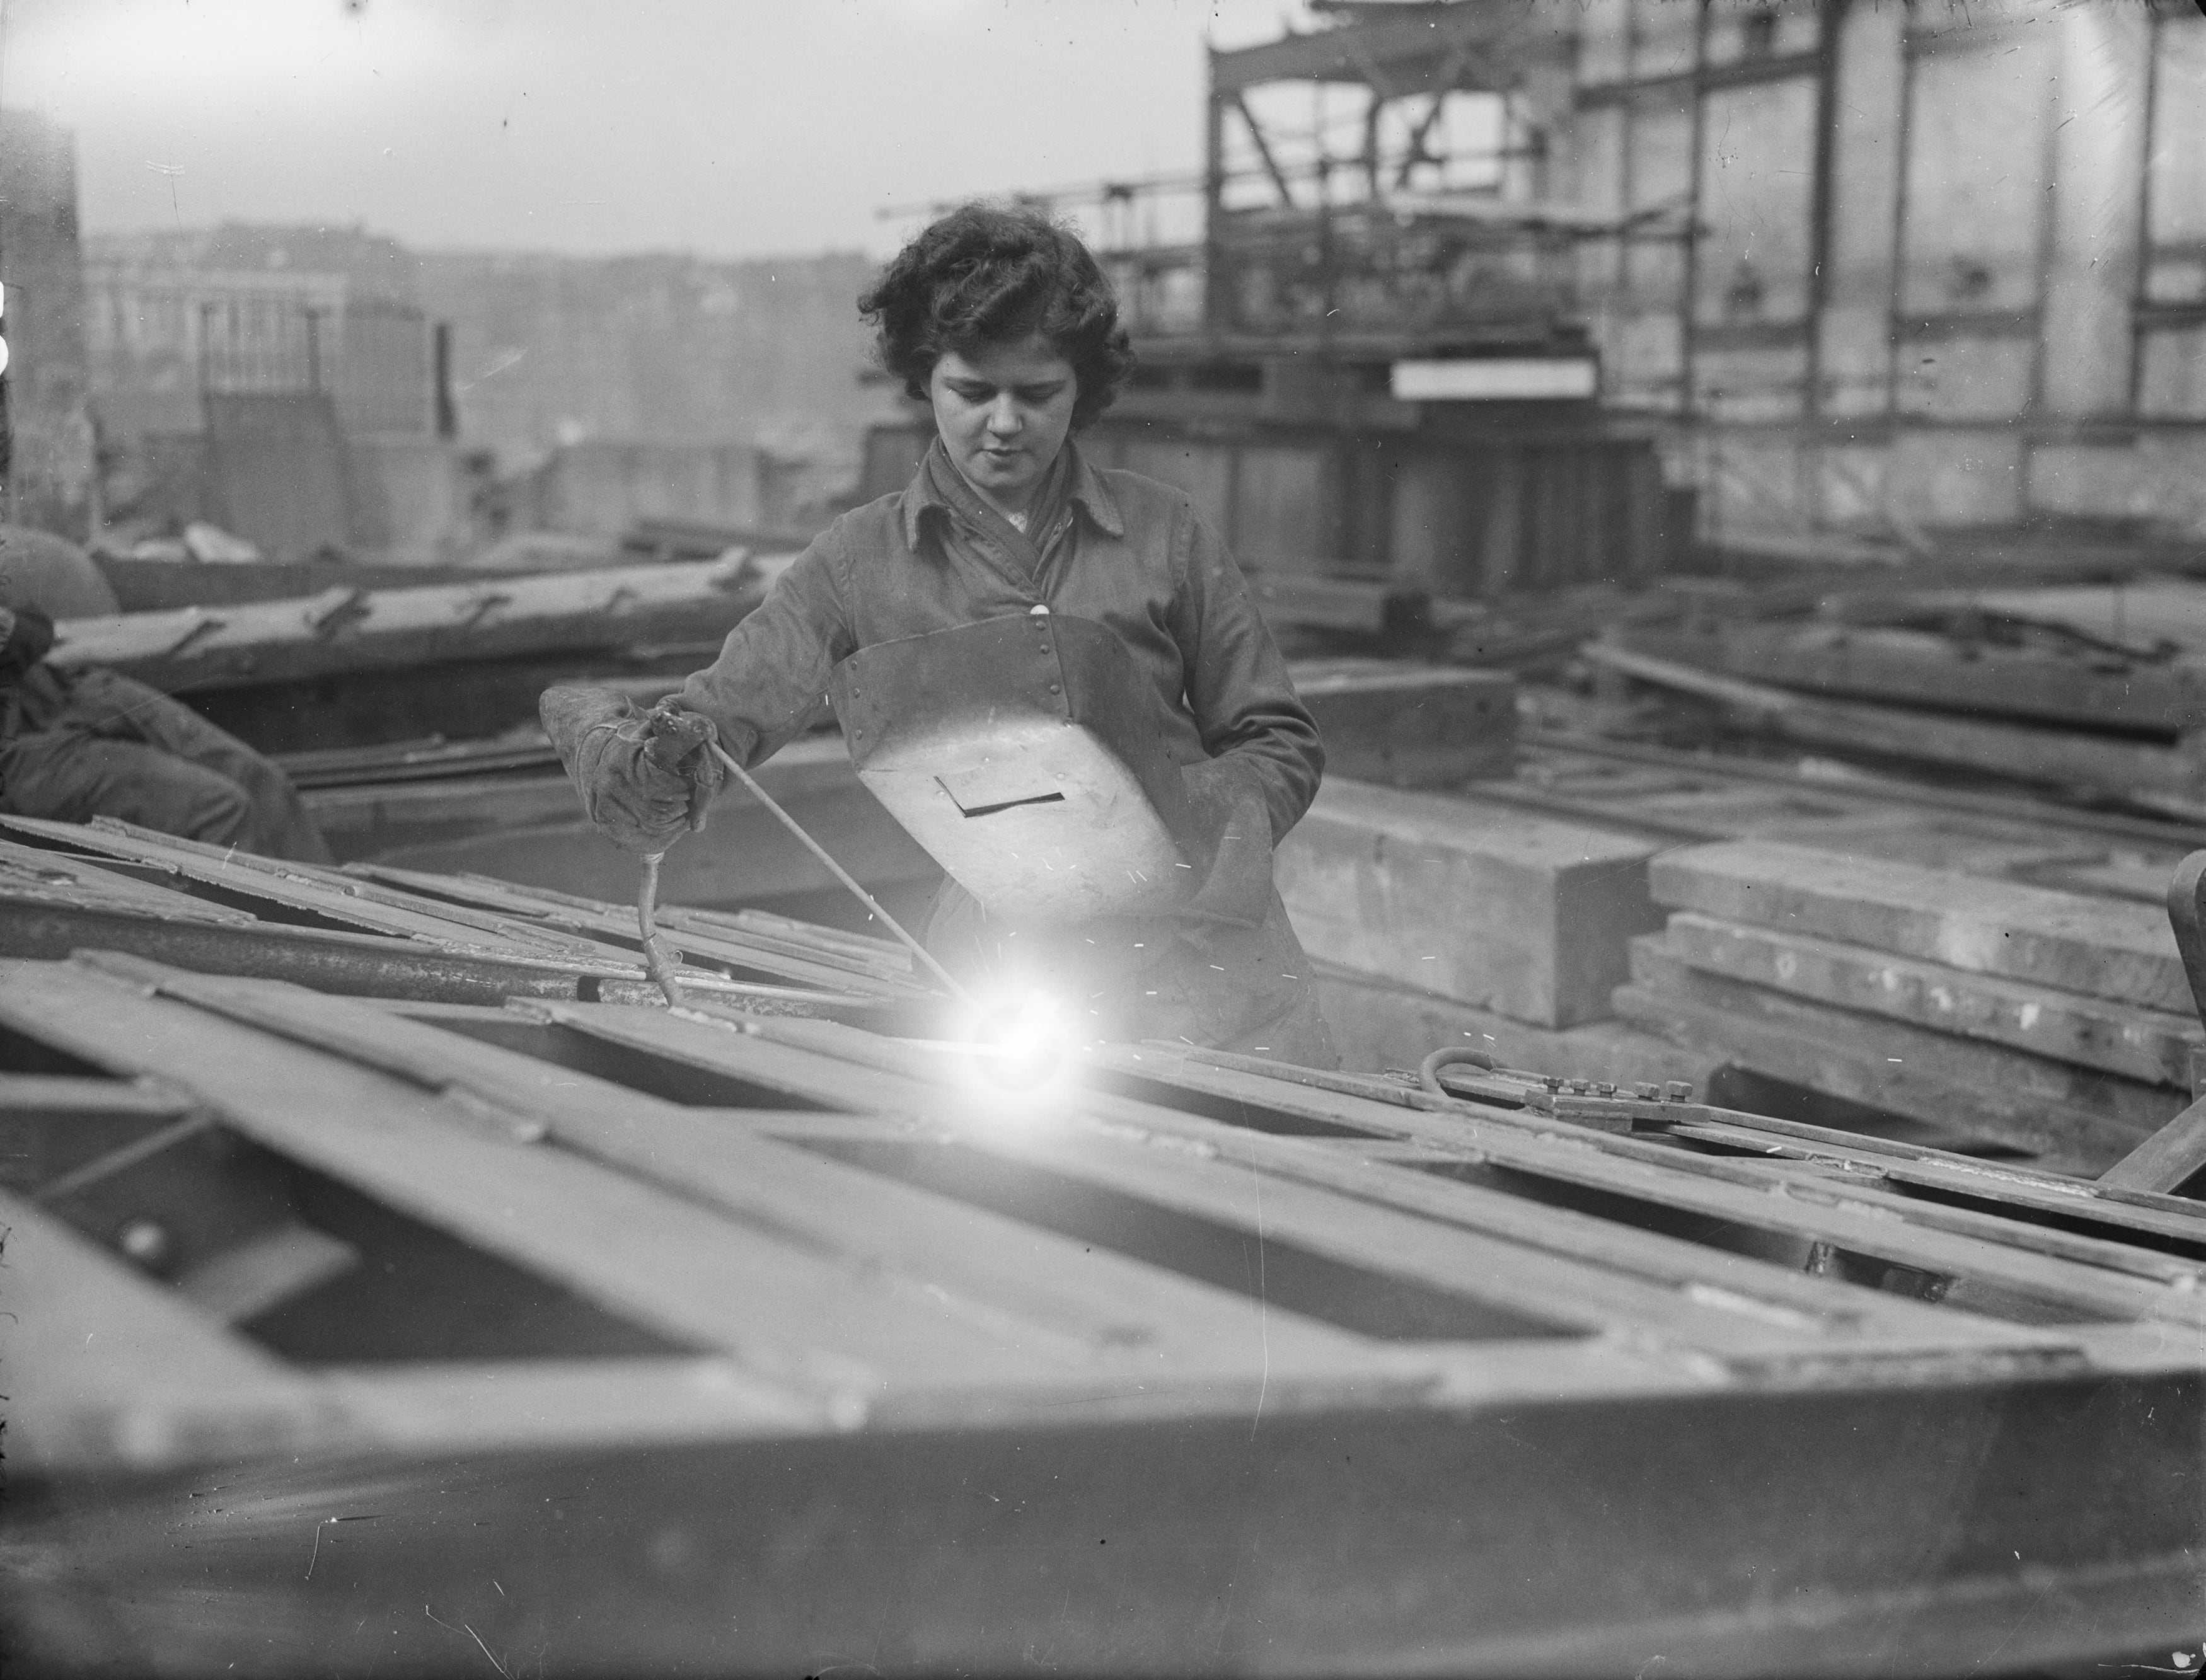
(2053, 1023)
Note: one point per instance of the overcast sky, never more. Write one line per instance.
(730, 128)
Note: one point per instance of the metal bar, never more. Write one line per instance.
(2141, 288)
(1830, 20)
(1442, 85)
(1264, 152)
(1895, 331)
(1689, 313)
(118, 1160)
(819, 851)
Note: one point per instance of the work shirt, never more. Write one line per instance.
(1126, 551)
(1129, 553)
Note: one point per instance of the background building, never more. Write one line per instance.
(1951, 268)
(50, 478)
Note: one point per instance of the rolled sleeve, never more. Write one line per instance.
(1244, 702)
(772, 671)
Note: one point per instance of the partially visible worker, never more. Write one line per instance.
(1002, 322)
(79, 744)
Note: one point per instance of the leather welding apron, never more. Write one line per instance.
(1028, 755)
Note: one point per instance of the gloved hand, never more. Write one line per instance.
(27, 635)
(645, 777)
(1231, 842)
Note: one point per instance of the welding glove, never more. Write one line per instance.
(1228, 841)
(645, 777)
(25, 636)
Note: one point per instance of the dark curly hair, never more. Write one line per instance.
(986, 273)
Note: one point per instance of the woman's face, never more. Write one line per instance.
(1004, 410)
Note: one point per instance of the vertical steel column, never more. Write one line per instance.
(2141, 290)
(1894, 325)
(1830, 21)
(1688, 404)
(2048, 213)
(1213, 196)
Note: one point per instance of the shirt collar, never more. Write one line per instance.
(1087, 491)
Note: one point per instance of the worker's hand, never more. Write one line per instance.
(1229, 842)
(27, 635)
(645, 777)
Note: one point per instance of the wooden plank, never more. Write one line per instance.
(1363, 606)
(2094, 688)
(108, 1370)
(2151, 1046)
(1410, 726)
(2055, 757)
(2104, 949)
(2169, 1159)
(350, 629)
(2149, 608)
(1515, 913)
(2153, 833)
(2102, 1110)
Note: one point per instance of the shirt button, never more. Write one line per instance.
(1056, 689)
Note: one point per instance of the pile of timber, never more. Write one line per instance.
(598, 1338)
(2095, 689)
(2046, 1023)
(1442, 917)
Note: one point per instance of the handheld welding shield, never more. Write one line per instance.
(1027, 756)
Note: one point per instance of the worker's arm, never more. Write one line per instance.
(647, 778)
(1261, 736)
(772, 671)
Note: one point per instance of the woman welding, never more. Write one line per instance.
(1002, 322)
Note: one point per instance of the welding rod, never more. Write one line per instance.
(657, 962)
(840, 873)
